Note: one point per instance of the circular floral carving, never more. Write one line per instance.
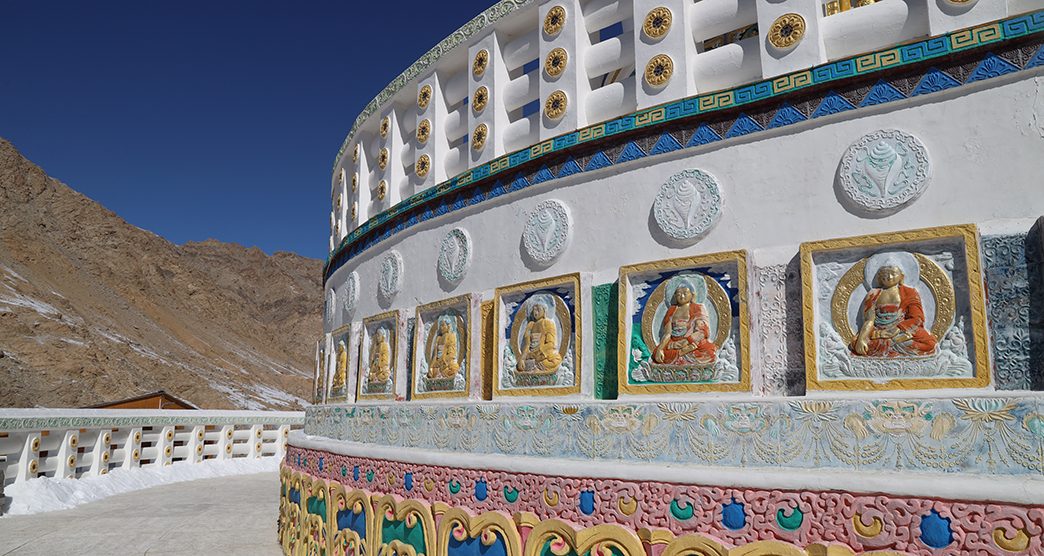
(391, 275)
(382, 158)
(556, 104)
(659, 70)
(478, 65)
(355, 210)
(547, 231)
(455, 255)
(385, 126)
(424, 96)
(657, 22)
(480, 99)
(382, 190)
(884, 170)
(423, 166)
(355, 181)
(355, 153)
(350, 292)
(337, 201)
(556, 62)
(688, 205)
(786, 31)
(423, 131)
(554, 20)
(478, 137)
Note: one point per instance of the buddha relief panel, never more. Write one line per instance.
(895, 310)
(442, 349)
(378, 357)
(340, 364)
(539, 337)
(684, 325)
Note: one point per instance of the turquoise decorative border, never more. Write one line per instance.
(977, 435)
(468, 30)
(455, 193)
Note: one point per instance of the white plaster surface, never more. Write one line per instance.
(227, 516)
(780, 186)
(1015, 490)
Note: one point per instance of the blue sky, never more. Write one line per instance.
(198, 120)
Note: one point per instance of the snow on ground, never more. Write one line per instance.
(47, 494)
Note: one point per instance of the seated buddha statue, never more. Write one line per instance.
(380, 358)
(444, 362)
(539, 349)
(341, 373)
(893, 318)
(685, 332)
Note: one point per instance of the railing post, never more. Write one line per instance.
(486, 70)
(100, 454)
(430, 131)
(132, 449)
(799, 43)
(29, 461)
(570, 35)
(281, 440)
(164, 447)
(67, 455)
(256, 432)
(676, 43)
(225, 442)
(195, 444)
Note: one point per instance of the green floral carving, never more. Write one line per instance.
(605, 300)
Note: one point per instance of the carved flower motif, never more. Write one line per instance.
(382, 158)
(423, 131)
(424, 96)
(385, 126)
(659, 70)
(556, 62)
(786, 31)
(554, 20)
(480, 99)
(423, 166)
(382, 190)
(478, 65)
(556, 104)
(657, 22)
(478, 137)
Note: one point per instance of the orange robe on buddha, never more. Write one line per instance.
(685, 346)
(908, 317)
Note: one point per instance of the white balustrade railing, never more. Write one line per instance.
(607, 52)
(74, 443)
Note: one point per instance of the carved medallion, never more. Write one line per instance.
(423, 131)
(422, 166)
(554, 20)
(382, 190)
(657, 22)
(355, 181)
(424, 97)
(455, 255)
(556, 62)
(382, 158)
(556, 104)
(478, 65)
(331, 304)
(391, 275)
(884, 170)
(350, 292)
(385, 126)
(547, 232)
(786, 31)
(479, 99)
(659, 70)
(688, 205)
(478, 137)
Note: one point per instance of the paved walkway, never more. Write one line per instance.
(225, 516)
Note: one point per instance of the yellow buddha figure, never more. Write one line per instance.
(893, 318)
(539, 349)
(341, 373)
(443, 354)
(380, 358)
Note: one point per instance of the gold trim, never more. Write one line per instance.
(424, 96)
(556, 104)
(385, 126)
(488, 349)
(786, 31)
(364, 337)
(339, 498)
(526, 287)
(423, 131)
(623, 341)
(930, 273)
(556, 62)
(485, 527)
(659, 70)
(464, 356)
(401, 511)
(382, 158)
(657, 22)
(478, 65)
(480, 99)
(554, 21)
(969, 235)
(478, 137)
(423, 166)
(328, 377)
(599, 539)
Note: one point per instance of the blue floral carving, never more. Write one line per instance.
(992, 66)
(665, 144)
(881, 93)
(744, 125)
(704, 134)
(786, 115)
(833, 103)
(933, 82)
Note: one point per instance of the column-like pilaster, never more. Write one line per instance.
(562, 27)
(790, 37)
(662, 28)
(430, 138)
(487, 117)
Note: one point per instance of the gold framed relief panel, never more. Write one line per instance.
(896, 310)
(684, 325)
(538, 348)
(442, 349)
(378, 357)
(340, 363)
(319, 380)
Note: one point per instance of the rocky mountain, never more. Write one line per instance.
(93, 309)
